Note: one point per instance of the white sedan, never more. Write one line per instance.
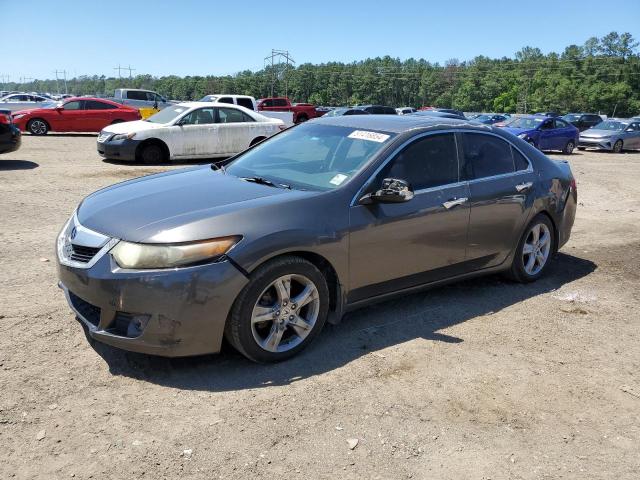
(187, 131)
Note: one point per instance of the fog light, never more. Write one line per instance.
(137, 324)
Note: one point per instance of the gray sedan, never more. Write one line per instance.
(299, 229)
(615, 134)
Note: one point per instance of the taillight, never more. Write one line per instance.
(572, 186)
(5, 119)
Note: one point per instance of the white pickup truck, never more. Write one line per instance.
(249, 102)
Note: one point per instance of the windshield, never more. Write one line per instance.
(611, 125)
(571, 117)
(311, 156)
(525, 122)
(167, 115)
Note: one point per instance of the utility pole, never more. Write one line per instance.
(64, 72)
(24, 80)
(279, 68)
(119, 68)
(130, 70)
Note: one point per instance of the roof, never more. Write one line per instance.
(397, 123)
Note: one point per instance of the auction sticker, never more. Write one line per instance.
(366, 135)
(338, 179)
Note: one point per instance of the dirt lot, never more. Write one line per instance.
(484, 379)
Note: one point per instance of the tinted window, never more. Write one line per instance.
(485, 156)
(95, 105)
(519, 160)
(267, 103)
(202, 116)
(280, 102)
(226, 100)
(428, 162)
(547, 125)
(230, 115)
(135, 95)
(75, 105)
(245, 102)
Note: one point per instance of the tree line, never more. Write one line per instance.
(602, 76)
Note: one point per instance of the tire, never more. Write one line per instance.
(152, 153)
(275, 339)
(522, 270)
(302, 118)
(569, 147)
(617, 147)
(530, 142)
(37, 126)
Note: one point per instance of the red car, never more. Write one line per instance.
(74, 115)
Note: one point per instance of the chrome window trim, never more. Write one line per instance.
(454, 131)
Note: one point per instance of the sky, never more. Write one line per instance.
(189, 37)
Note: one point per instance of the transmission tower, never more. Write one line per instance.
(280, 61)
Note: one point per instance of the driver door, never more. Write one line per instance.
(71, 118)
(394, 246)
(196, 134)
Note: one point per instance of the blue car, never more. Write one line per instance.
(545, 133)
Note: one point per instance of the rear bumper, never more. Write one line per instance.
(10, 139)
(118, 150)
(172, 313)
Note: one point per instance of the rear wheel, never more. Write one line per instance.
(617, 147)
(534, 250)
(280, 311)
(37, 126)
(152, 153)
(302, 118)
(569, 147)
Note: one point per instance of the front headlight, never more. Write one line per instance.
(124, 136)
(142, 256)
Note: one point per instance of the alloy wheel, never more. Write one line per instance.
(285, 313)
(536, 249)
(38, 127)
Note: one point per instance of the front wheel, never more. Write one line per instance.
(617, 147)
(38, 127)
(280, 311)
(569, 147)
(534, 250)
(152, 154)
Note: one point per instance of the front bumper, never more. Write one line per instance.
(119, 149)
(600, 143)
(177, 312)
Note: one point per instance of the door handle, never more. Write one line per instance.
(523, 187)
(454, 201)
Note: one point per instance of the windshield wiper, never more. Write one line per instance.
(264, 181)
(218, 166)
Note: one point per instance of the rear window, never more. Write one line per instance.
(95, 105)
(245, 102)
(519, 160)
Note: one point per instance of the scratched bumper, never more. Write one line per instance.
(173, 313)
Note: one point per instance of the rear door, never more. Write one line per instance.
(197, 134)
(501, 185)
(98, 114)
(236, 130)
(548, 135)
(564, 132)
(394, 246)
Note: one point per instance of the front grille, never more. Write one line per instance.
(89, 312)
(80, 253)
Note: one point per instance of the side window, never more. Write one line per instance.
(267, 103)
(136, 95)
(202, 116)
(245, 102)
(95, 105)
(151, 97)
(230, 115)
(485, 156)
(226, 100)
(247, 118)
(561, 123)
(279, 102)
(428, 162)
(519, 160)
(75, 105)
(547, 125)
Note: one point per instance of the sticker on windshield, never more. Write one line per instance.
(366, 135)
(338, 179)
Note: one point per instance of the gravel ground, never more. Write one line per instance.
(483, 379)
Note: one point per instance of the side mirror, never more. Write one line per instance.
(59, 108)
(394, 190)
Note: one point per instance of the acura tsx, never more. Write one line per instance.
(320, 219)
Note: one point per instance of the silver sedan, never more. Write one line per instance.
(614, 134)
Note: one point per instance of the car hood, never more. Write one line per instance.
(518, 131)
(39, 111)
(594, 132)
(181, 206)
(131, 127)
